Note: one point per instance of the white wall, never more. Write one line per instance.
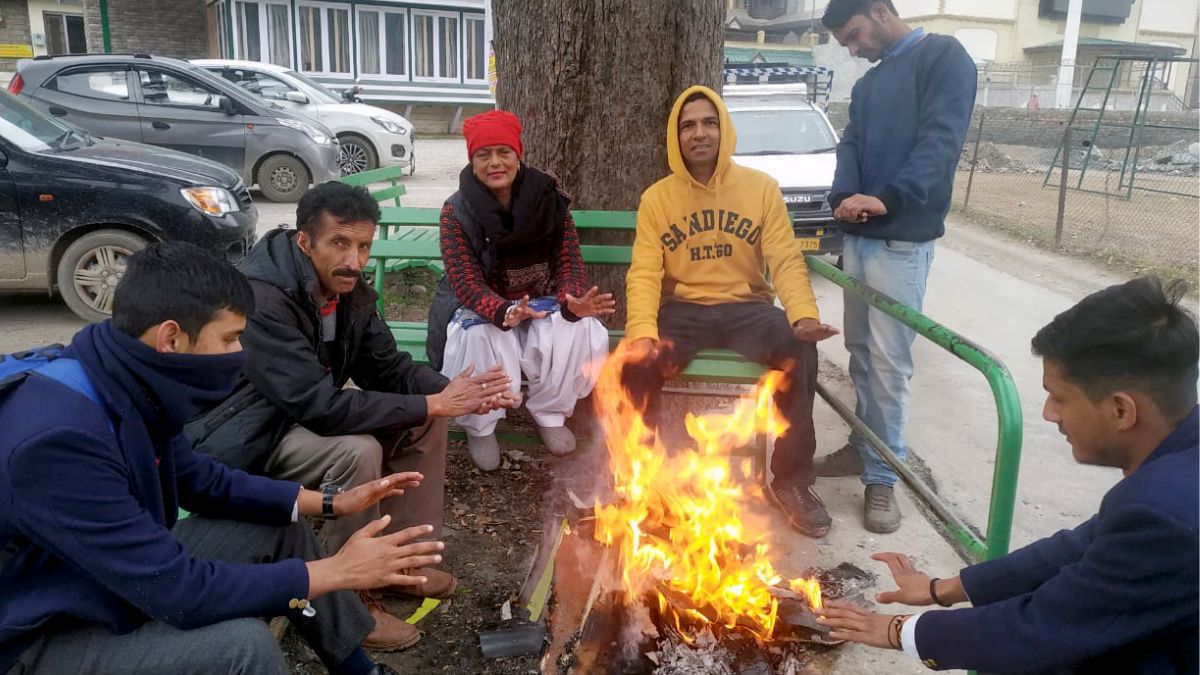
(908, 8)
(990, 9)
(980, 43)
(1175, 16)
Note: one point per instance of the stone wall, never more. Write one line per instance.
(176, 28)
(14, 29)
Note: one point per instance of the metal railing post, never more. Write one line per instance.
(1008, 410)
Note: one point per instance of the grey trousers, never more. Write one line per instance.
(348, 461)
(234, 647)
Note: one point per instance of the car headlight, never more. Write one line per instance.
(390, 126)
(309, 130)
(213, 201)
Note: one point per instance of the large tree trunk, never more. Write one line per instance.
(593, 82)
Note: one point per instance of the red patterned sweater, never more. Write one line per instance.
(490, 297)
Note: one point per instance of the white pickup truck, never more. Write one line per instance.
(780, 132)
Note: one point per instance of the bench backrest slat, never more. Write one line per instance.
(430, 249)
(584, 220)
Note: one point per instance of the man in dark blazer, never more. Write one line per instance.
(1118, 594)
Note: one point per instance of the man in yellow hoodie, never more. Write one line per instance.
(706, 236)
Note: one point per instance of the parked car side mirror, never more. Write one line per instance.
(3, 159)
(227, 105)
(297, 97)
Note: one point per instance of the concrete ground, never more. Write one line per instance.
(991, 289)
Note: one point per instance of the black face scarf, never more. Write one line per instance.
(530, 232)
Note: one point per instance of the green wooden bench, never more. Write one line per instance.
(387, 174)
(408, 247)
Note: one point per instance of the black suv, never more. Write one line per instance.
(74, 206)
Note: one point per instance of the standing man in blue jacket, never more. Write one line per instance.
(96, 575)
(1119, 593)
(895, 171)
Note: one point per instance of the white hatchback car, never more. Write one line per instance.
(370, 137)
(781, 132)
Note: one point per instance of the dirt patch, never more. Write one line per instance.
(407, 294)
(1146, 233)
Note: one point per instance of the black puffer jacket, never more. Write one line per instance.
(293, 377)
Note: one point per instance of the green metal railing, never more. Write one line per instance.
(1008, 410)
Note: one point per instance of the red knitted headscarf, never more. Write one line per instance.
(495, 127)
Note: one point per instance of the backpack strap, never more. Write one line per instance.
(69, 372)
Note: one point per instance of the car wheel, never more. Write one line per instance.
(282, 178)
(357, 155)
(90, 268)
(412, 164)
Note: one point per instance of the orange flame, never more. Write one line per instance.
(676, 518)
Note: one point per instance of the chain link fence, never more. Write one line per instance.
(1131, 195)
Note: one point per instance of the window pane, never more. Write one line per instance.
(339, 40)
(159, 88)
(423, 46)
(396, 32)
(106, 84)
(310, 39)
(56, 34)
(258, 84)
(248, 35)
(76, 42)
(368, 42)
(448, 59)
(222, 50)
(277, 33)
(476, 56)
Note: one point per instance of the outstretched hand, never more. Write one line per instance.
(593, 303)
(520, 312)
(370, 494)
(811, 330)
(470, 394)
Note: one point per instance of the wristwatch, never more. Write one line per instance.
(327, 494)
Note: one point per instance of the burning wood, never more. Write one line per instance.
(676, 520)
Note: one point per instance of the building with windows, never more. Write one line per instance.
(1017, 43)
(406, 53)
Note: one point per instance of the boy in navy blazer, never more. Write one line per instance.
(1118, 594)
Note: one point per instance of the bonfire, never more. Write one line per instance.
(675, 519)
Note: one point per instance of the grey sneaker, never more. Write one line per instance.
(558, 440)
(842, 462)
(485, 450)
(881, 513)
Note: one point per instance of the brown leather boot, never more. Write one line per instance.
(438, 584)
(390, 634)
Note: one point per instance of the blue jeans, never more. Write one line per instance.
(881, 347)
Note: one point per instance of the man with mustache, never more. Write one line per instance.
(314, 328)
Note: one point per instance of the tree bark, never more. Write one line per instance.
(593, 82)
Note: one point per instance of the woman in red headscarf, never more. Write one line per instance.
(515, 293)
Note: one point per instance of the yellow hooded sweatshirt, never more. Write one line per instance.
(713, 244)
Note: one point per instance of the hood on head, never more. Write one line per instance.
(728, 135)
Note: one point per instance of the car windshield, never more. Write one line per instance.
(782, 132)
(315, 86)
(32, 131)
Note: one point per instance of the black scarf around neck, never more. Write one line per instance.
(531, 231)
